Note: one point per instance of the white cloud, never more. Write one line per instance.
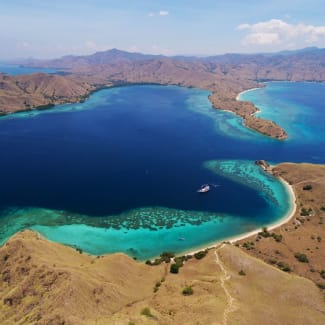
(91, 45)
(278, 32)
(261, 38)
(163, 13)
(23, 45)
(155, 49)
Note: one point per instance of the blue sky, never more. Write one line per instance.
(48, 29)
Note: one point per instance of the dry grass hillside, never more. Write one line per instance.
(225, 76)
(47, 283)
(304, 234)
(39, 90)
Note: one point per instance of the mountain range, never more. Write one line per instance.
(225, 76)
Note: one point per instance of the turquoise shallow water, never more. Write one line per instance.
(297, 107)
(146, 232)
(119, 173)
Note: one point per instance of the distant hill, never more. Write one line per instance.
(114, 56)
(98, 58)
(225, 76)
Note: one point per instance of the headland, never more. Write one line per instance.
(225, 76)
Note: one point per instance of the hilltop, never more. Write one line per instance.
(48, 283)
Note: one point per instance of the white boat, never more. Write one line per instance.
(204, 188)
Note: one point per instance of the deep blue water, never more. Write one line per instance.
(15, 69)
(120, 171)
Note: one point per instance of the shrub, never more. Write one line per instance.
(322, 274)
(264, 233)
(277, 238)
(283, 266)
(174, 268)
(166, 256)
(304, 212)
(301, 257)
(272, 261)
(146, 312)
(187, 291)
(322, 207)
(321, 285)
(248, 245)
(200, 254)
(79, 250)
(286, 268)
(179, 260)
(241, 272)
(307, 187)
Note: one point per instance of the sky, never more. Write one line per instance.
(50, 29)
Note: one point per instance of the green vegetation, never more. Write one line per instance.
(307, 187)
(187, 291)
(321, 286)
(174, 268)
(146, 312)
(322, 274)
(164, 257)
(264, 233)
(201, 254)
(283, 266)
(277, 238)
(322, 207)
(158, 284)
(249, 245)
(301, 257)
(305, 212)
(241, 272)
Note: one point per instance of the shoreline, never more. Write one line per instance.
(245, 91)
(286, 218)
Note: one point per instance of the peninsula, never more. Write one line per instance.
(225, 76)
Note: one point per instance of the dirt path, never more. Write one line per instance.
(231, 307)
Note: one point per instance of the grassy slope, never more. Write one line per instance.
(302, 234)
(47, 283)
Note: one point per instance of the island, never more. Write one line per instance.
(43, 282)
(225, 76)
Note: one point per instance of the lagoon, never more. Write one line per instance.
(120, 172)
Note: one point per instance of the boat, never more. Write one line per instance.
(204, 188)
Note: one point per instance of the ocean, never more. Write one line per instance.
(120, 172)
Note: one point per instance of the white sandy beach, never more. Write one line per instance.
(245, 91)
(286, 218)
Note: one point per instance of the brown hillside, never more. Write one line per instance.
(47, 283)
(304, 234)
(39, 90)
